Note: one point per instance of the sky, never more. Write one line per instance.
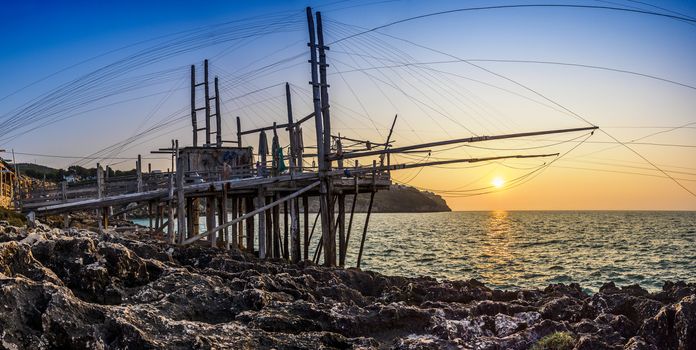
(81, 76)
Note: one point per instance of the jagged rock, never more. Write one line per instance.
(674, 327)
(637, 343)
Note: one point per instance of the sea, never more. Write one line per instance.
(529, 249)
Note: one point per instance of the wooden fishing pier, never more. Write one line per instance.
(240, 190)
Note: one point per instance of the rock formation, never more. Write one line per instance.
(79, 289)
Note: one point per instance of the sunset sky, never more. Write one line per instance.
(447, 76)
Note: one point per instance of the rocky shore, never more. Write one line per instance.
(80, 289)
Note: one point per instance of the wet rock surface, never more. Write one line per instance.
(80, 289)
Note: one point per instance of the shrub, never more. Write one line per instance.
(15, 219)
(555, 341)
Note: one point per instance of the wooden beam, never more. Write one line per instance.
(463, 140)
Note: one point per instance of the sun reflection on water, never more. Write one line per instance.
(496, 257)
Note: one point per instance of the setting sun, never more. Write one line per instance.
(498, 182)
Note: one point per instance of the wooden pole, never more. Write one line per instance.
(181, 200)
(318, 123)
(218, 117)
(263, 147)
(286, 231)
(194, 122)
(324, 87)
(239, 132)
(17, 192)
(463, 140)
(100, 194)
(171, 235)
(139, 173)
(339, 151)
(291, 130)
(321, 150)
(294, 203)
(328, 233)
(207, 103)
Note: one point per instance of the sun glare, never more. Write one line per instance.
(498, 182)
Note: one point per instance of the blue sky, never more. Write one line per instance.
(446, 100)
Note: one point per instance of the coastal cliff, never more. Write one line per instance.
(399, 199)
(79, 289)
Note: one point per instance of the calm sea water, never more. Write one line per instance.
(531, 249)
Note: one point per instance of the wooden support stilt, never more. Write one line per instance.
(100, 194)
(367, 221)
(64, 197)
(234, 232)
(171, 235)
(160, 228)
(189, 216)
(305, 243)
(314, 226)
(256, 211)
(158, 215)
(295, 250)
(249, 207)
(260, 201)
(286, 232)
(149, 215)
(341, 229)
(180, 200)
(105, 217)
(210, 218)
(270, 244)
(277, 244)
(352, 213)
(223, 237)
